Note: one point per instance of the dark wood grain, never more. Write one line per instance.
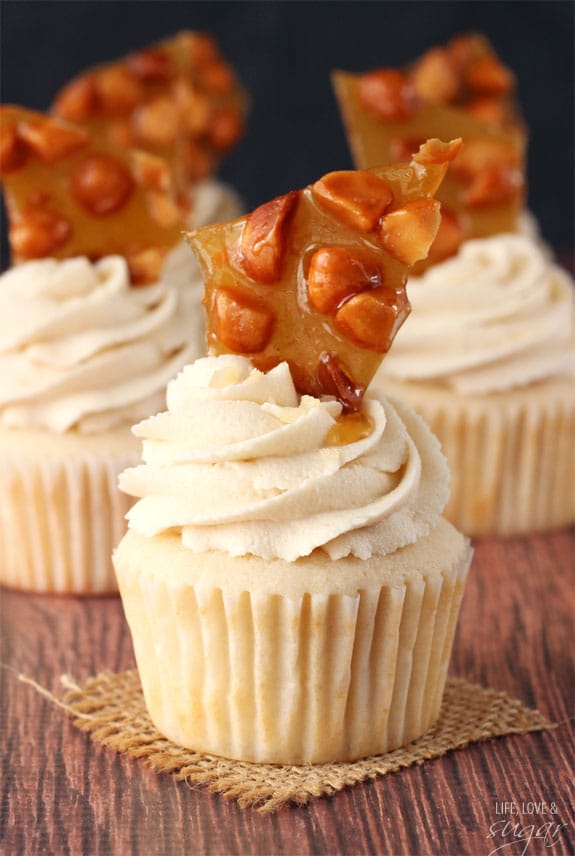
(62, 794)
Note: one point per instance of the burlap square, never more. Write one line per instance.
(111, 708)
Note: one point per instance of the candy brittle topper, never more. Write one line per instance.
(460, 90)
(317, 276)
(178, 99)
(67, 195)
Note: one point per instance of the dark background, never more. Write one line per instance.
(284, 52)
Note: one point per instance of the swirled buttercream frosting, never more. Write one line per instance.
(82, 349)
(498, 315)
(240, 463)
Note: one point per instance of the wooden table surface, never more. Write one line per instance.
(63, 794)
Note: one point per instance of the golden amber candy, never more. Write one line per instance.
(317, 276)
(460, 90)
(67, 195)
(178, 99)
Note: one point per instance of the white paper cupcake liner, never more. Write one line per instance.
(511, 455)
(61, 513)
(278, 678)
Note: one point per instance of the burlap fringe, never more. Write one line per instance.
(111, 708)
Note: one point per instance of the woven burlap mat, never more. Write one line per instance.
(111, 708)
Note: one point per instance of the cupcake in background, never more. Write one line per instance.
(487, 358)
(90, 334)
(290, 584)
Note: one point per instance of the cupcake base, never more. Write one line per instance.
(61, 513)
(511, 454)
(292, 663)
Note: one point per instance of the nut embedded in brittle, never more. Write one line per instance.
(157, 123)
(77, 101)
(487, 75)
(38, 232)
(435, 77)
(12, 149)
(358, 198)
(51, 142)
(333, 380)
(408, 232)
(101, 185)
(388, 93)
(494, 186)
(119, 91)
(317, 278)
(372, 318)
(337, 273)
(151, 64)
(263, 244)
(243, 324)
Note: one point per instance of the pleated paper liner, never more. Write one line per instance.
(61, 512)
(111, 708)
(305, 674)
(511, 454)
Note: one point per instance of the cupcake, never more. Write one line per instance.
(487, 359)
(90, 334)
(291, 586)
(82, 355)
(291, 599)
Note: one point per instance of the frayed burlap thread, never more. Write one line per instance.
(111, 708)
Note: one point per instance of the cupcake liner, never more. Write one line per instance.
(266, 677)
(61, 513)
(511, 455)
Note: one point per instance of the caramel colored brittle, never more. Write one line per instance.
(178, 99)
(317, 276)
(69, 195)
(460, 90)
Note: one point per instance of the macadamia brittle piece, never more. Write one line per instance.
(68, 195)
(462, 90)
(317, 276)
(178, 99)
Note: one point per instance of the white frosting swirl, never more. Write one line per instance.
(498, 315)
(80, 348)
(240, 464)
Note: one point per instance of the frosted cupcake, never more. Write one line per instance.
(291, 586)
(487, 359)
(90, 333)
(83, 355)
(291, 598)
